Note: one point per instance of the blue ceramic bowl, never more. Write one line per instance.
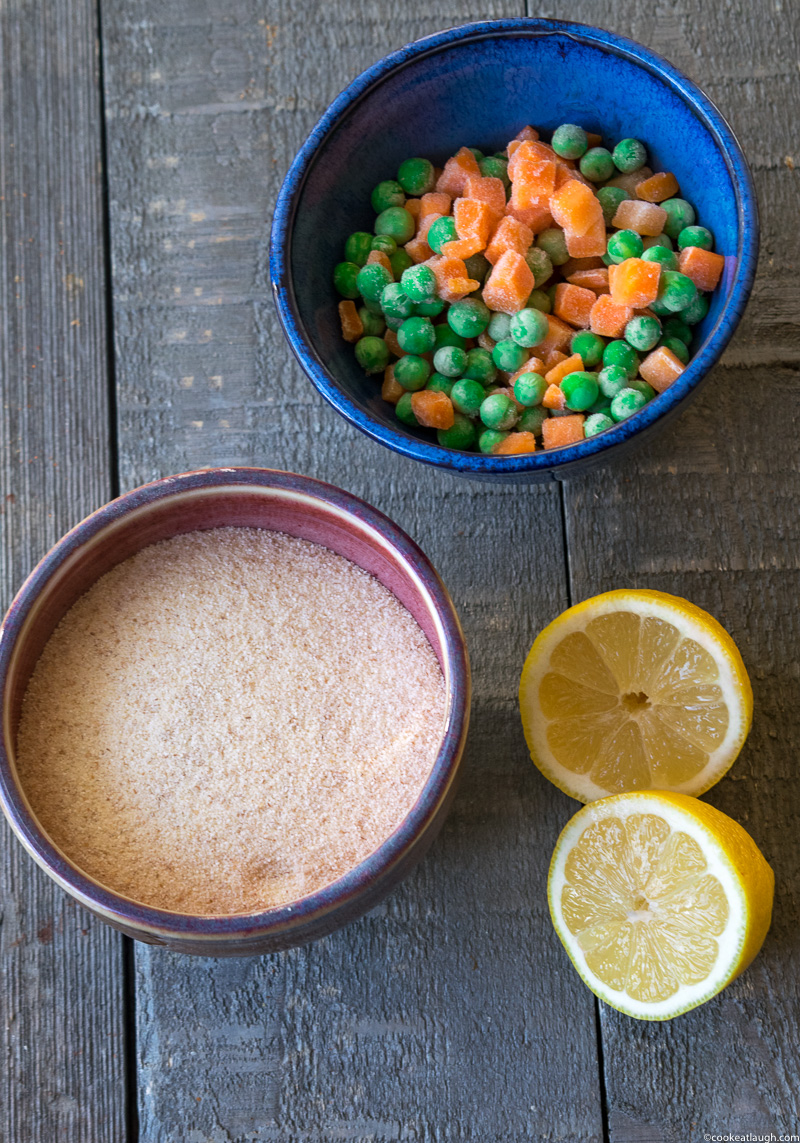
(478, 85)
(255, 498)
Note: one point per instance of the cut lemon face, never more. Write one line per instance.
(634, 690)
(660, 900)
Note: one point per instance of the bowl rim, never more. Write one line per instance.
(281, 920)
(543, 461)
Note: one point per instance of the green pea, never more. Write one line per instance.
(695, 311)
(476, 153)
(626, 403)
(412, 372)
(528, 328)
(589, 346)
(540, 265)
(666, 258)
(597, 165)
(629, 155)
(357, 247)
(372, 354)
(647, 391)
(416, 176)
(696, 236)
(489, 440)
(416, 335)
(477, 266)
(676, 327)
(659, 309)
(508, 355)
(397, 223)
(658, 240)
(493, 167)
(498, 411)
(680, 214)
(462, 435)
(440, 384)
(467, 396)
(469, 317)
(678, 347)
(386, 194)
(675, 290)
(531, 420)
(612, 380)
(384, 244)
(620, 353)
(601, 405)
(596, 423)
(609, 199)
(540, 300)
(404, 410)
(480, 366)
(450, 360)
(625, 244)
(373, 306)
(643, 332)
(444, 335)
(442, 230)
(569, 141)
(580, 390)
(419, 282)
(554, 244)
(431, 308)
(372, 280)
(400, 261)
(395, 303)
(373, 324)
(345, 279)
(499, 327)
(530, 388)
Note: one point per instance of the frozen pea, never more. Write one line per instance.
(395, 303)
(480, 366)
(442, 230)
(416, 335)
(372, 280)
(450, 360)
(498, 411)
(400, 261)
(412, 372)
(345, 279)
(580, 390)
(386, 194)
(397, 223)
(469, 317)
(416, 176)
(676, 327)
(695, 311)
(540, 265)
(620, 353)
(528, 328)
(531, 420)
(467, 396)
(357, 247)
(432, 308)
(419, 283)
(596, 423)
(629, 155)
(694, 236)
(404, 410)
(489, 439)
(627, 402)
(680, 214)
(643, 332)
(540, 300)
(508, 355)
(589, 346)
(499, 327)
(597, 165)
(373, 324)
(624, 244)
(675, 290)
(612, 380)
(678, 347)
(529, 389)
(569, 141)
(440, 384)
(609, 199)
(461, 435)
(554, 244)
(372, 354)
(665, 257)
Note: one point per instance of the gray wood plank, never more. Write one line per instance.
(709, 512)
(441, 1015)
(61, 1009)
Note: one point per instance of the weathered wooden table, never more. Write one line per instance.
(143, 144)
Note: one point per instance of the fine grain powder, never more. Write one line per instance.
(228, 721)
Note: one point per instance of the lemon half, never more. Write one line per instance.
(634, 689)
(659, 899)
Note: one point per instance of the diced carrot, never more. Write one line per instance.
(457, 288)
(418, 250)
(516, 443)
(551, 357)
(488, 190)
(643, 217)
(509, 285)
(634, 282)
(452, 280)
(426, 221)
(576, 208)
(526, 150)
(596, 280)
(434, 202)
(433, 409)
(527, 132)
(390, 337)
(381, 259)
(704, 267)
(456, 171)
(537, 218)
(532, 365)
(560, 431)
(391, 390)
(352, 325)
(576, 264)
(413, 206)
(566, 172)
(658, 187)
(590, 244)
(573, 304)
(631, 180)
(509, 234)
(593, 140)
(486, 342)
(661, 368)
(473, 219)
(558, 336)
(558, 372)
(607, 318)
(554, 398)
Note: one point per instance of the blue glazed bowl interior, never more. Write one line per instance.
(478, 87)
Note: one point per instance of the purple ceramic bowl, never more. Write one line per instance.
(244, 497)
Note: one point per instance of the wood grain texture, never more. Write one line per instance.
(709, 512)
(61, 1016)
(440, 1015)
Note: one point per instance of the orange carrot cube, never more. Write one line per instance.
(532, 365)
(556, 374)
(658, 187)
(558, 336)
(554, 398)
(593, 140)
(418, 250)
(527, 132)
(413, 206)
(527, 150)
(590, 244)
(352, 325)
(634, 282)
(596, 279)
(456, 171)
(462, 248)
(551, 357)
(486, 342)
(560, 431)
(643, 217)
(575, 264)
(576, 208)
(473, 219)
(509, 285)
(452, 280)
(457, 288)
(381, 259)
(390, 337)
(490, 191)
(435, 202)
(432, 409)
(515, 444)
(537, 218)
(609, 319)
(704, 267)
(509, 234)
(661, 368)
(566, 172)
(391, 390)
(573, 304)
(426, 221)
